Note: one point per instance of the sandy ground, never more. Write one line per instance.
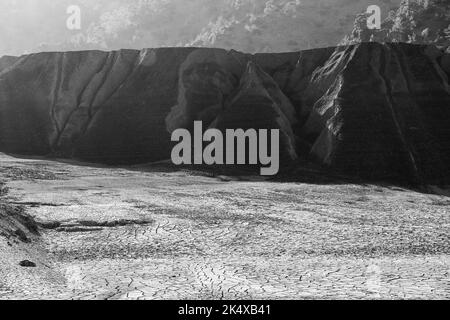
(124, 233)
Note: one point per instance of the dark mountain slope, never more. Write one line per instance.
(371, 110)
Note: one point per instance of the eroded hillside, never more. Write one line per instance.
(373, 110)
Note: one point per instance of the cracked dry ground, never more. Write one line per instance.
(117, 233)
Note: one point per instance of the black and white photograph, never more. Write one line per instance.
(248, 151)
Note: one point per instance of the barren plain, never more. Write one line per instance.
(150, 233)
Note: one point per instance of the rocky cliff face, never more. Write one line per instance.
(372, 110)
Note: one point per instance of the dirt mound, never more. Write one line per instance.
(16, 225)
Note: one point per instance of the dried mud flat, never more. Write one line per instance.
(113, 233)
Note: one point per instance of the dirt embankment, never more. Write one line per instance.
(15, 225)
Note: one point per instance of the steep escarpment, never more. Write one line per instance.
(383, 110)
(230, 90)
(260, 104)
(379, 111)
(99, 106)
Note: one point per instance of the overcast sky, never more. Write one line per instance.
(41, 25)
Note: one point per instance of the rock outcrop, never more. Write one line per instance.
(379, 111)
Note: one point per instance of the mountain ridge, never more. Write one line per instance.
(108, 107)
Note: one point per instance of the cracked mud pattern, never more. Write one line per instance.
(112, 233)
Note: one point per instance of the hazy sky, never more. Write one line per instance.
(41, 25)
